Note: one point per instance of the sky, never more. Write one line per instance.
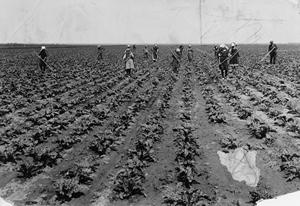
(149, 21)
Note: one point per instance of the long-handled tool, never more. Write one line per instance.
(50, 67)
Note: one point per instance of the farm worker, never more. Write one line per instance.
(234, 55)
(133, 48)
(43, 58)
(216, 51)
(223, 60)
(190, 53)
(181, 49)
(146, 52)
(175, 64)
(100, 53)
(128, 59)
(273, 52)
(155, 53)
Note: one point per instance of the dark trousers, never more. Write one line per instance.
(190, 57)
(155, 56)
(175, 66)
(128, 72)
(42, 66)
(224, 69)
(100, 57)
(273, 59)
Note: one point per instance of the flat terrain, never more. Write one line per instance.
(83, 133)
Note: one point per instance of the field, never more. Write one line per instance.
(83, 133)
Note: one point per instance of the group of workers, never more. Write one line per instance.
(225, 56)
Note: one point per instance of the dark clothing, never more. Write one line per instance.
(43, 54)
(146, 53)
(175, 64)
(43, 57)
(181, 49)
(224, 70)
(234, 56)
(190, 54)
(100, 53)
(273, 49)
(216, 51)
(42, 65)
(223, 54)
(273, 59)
(100, 56)
(155, 53)
(273, 53)
(128, 72)
(223, 61)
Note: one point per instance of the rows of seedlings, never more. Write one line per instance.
(213, 108)
(119, 119)
(230, 99)
(73, 98)
(58, 125)
(52, 109)
(45, 147)
(207, 76)
(287, 154)
(23, 84)
(269, 102)
(186, 191)
(128, 181)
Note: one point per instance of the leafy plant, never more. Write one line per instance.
(180, 196)
(258, 128)
(129, 183)
(27, 167)
(101, 144)
(66, 189)
(67, 141)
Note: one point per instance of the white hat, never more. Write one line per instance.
(177, 50)
(43, 47)
(128, 46)
(222, 46)
(190, 45)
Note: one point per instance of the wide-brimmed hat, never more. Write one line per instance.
(177, 50)
(43, 47)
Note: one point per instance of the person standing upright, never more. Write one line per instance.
(181, 48)
(128, 59)
(273, 52)
(146, 52)
(216, 51)
(190, 52)
(133, 49)
(175, 64)
(234, 56)
(155, 53)
(100, 53)
(223, 55)
(43, 58)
